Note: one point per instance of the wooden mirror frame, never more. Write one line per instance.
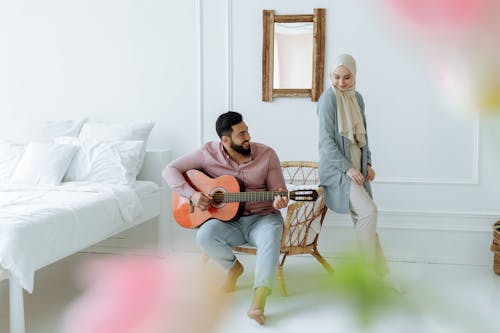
(318, 19)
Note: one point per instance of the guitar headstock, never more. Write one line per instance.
(304, 195)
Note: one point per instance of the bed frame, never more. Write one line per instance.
(154, 163)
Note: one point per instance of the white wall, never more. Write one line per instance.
(437, 170)
(108, 60)
(138, 60)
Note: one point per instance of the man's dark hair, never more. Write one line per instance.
(226, 121)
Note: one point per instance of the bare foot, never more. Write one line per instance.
(257, 315)
(232, 276)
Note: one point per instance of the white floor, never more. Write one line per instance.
(438, 298)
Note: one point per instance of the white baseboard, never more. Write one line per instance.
(410, 236)
(418, 236)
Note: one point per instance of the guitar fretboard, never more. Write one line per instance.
(248, 196)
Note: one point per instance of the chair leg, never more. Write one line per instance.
(281, 281)
(322, 260)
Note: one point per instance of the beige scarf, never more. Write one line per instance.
(350, 121)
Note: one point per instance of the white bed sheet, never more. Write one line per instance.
(39, 225)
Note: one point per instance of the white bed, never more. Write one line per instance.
(40, 225)
(69, 184)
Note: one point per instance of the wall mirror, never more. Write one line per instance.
(293, 55)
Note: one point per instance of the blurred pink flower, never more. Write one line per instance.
(144, 294)
(123, 295)
(442, 14)
(460, 39)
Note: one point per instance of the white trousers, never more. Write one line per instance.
(364, 216)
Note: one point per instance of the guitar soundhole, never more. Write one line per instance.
(217, 199)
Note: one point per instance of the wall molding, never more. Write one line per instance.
(199, 73)
(418, 236)
(229, 54)
(472, 180)
(423, 220)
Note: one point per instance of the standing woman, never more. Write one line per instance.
(345, 166)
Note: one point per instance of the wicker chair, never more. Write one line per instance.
(302, 218)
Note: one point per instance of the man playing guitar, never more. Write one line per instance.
(257, 166)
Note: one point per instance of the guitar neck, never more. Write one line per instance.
(252, 196)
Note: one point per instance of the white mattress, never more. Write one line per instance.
(41, 225)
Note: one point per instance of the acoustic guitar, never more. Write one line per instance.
(227, 199)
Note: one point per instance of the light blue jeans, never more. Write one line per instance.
(215, 238)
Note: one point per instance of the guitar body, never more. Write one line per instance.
(192, 217)
(227, 199)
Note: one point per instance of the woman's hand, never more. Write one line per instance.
(370, 173)
(355, 175)
(280, 201)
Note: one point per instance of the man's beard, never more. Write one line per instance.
(240, 149)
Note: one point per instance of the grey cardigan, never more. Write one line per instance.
(334, 154)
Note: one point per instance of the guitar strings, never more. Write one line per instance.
(304, 195)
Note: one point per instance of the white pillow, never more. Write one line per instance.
(10, 154)
(111, 162)
(119, 131)
(43, 163)
(42, 130)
